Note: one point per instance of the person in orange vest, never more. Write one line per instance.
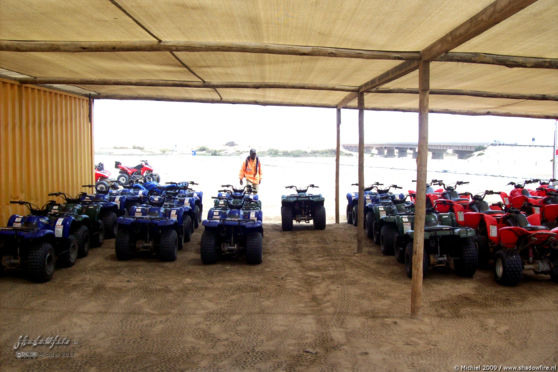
(251, 169)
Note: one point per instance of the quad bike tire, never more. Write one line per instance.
(399, 253)
(69, 257)
(148, 177)
(123, 179)
(84, 241)
(349, 214)
(208, 248)
(466, 265)
(197, 214)
(102, 187)
(124, 245)
(481, 243)
(319, 218)
(508, 268)
(40, 262)
(409, 261)
(109, 224)
(377, 231)
(254, 250)
(554, 272)
(98, 237)
(156, 177)
(286, 218)
(187, 226)
(388, 239)
(355, 214)
(168, 245)
(369, 225)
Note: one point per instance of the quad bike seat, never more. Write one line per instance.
(519, 219)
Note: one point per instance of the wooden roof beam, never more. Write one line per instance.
(493, 14)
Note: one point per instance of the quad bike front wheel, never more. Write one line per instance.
(168, 246)
(102, 187)
(254, 249)
(466, 265)
(388, 239)
(124, 245)
(208, 249)
(409, 260)
(109, 223)
(319, 218)
(349, 214)
(84, 238)
(508, 268)
(286, 218)
(40, 262)
(123, 179)
(69, 257)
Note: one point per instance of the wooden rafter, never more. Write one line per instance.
(262, 48)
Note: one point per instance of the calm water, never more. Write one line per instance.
(493, 170)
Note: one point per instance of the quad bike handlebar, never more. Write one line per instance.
(34, 209)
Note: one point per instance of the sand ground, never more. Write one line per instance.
(312, 305)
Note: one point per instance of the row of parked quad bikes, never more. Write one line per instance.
(127, 176)
(515, 233)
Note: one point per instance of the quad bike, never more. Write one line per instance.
(302, 206)
(233, 225)
(525, 247)
(160, 226)
(385, 203)
(447, 243)
(38, 241)
(100, 209)
(196, 195)
(102, 182)
(139, 173)
(352, 201)
(542, 201)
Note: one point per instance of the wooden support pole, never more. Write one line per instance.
(420, 206)
(360, 214)
(337, 155)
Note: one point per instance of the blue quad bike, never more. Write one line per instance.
(302, 206)
(160, 226)
(38, 241)
(233, 225)
(197, 196)
(384, 203)
(352, 201)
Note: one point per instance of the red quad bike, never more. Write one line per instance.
(525, 247)
(542, 201)
(102, 183)
(515, 241)
(142, 172)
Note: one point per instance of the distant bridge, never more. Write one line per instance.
(388, 150)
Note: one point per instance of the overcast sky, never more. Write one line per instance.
(188, 125)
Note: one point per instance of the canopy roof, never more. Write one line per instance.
(489, 57)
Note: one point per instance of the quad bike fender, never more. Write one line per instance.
(491, 228)
(350, 197)
(253, 226)
(211, 224)
(165, 223)
(15, 219)
(505, 199)
(534, 219)
(63, 226)
(508, 236)
(40, 234)
(472, 219)
(550, 213)
(124, 221)
(518, 201)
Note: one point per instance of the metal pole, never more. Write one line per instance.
(338, 149)
(420, 206)
(554, 151)
(360, 214)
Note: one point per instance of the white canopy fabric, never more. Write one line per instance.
(283, 52)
